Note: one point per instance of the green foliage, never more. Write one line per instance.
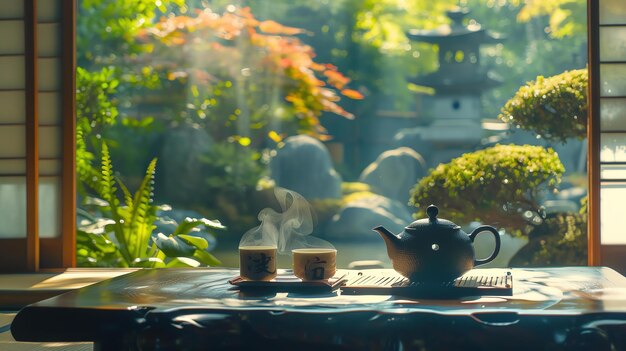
(233, 167)
(366, 39)
(252, 73)
(107, 79)
(567, 17)
(554, 107)
(232, 188)
(94, 103)
(107, 28)
(500, 185)
(93, 246)
(131, 222)
(532, 47)
(560, 240)
(95, 109)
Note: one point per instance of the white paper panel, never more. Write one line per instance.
(11, 9)
(50, 108)
(617, 172)
(13, 207)
(612, 79)
(613, 114)
(612, 218)
(613, 147)
(49, 39)
(49, 73)
(48, 10)
(12, 37)
(13, 108)
(49, 207)
(613, 43)
(49, 167)
(12, 72)
(50, 142)
(12, 141)
(612, 12)
(13, 166)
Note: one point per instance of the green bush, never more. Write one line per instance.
(560, 240)
(120, 233)
(553, 107)
(500, 185)
(233, 168)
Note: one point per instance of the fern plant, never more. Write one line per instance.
(124, 236)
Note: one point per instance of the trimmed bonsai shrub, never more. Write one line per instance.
(560, 240)
(501, 186)
(553, 107)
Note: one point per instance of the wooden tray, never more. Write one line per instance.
(388, 282)
(287, 282)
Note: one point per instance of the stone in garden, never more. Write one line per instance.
(179, 167)
(575, 194)
(394, 173)
(304, 165)
(411, 138)
(357, 218)
(560, 206)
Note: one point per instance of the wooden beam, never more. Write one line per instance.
(593, 133)
(13, 253)
(32, 136)
(613, 256)
(68, 185)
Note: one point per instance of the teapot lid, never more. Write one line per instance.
(432, 222)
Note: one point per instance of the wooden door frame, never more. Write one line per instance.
(33, 253)
(593, 134)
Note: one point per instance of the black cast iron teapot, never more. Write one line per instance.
(433, 249)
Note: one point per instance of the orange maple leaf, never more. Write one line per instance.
(352, 94)
(273, 27)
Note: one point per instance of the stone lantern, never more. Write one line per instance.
(455, 108)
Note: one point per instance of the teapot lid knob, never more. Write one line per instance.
(432, 212)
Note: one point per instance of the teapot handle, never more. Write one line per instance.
(496, 236)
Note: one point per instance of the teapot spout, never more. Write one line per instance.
(391, 240)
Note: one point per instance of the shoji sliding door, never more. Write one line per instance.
(607, 132)
(37, 158)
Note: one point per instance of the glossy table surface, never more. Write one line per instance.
(90, 313)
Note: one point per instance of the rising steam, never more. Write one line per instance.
(287, 230)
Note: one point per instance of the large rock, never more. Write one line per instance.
(180, 169)
(394, 173)
(304, 165)
(356, 220)
(412, 138)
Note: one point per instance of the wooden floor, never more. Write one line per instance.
(7, 343)
(18, 290)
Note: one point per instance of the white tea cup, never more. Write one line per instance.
(314, 263)
(257, 262)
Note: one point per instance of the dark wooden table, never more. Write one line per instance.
(570, 308)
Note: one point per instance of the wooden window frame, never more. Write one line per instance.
(609, 254)
(593, 134)
(32, 254)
